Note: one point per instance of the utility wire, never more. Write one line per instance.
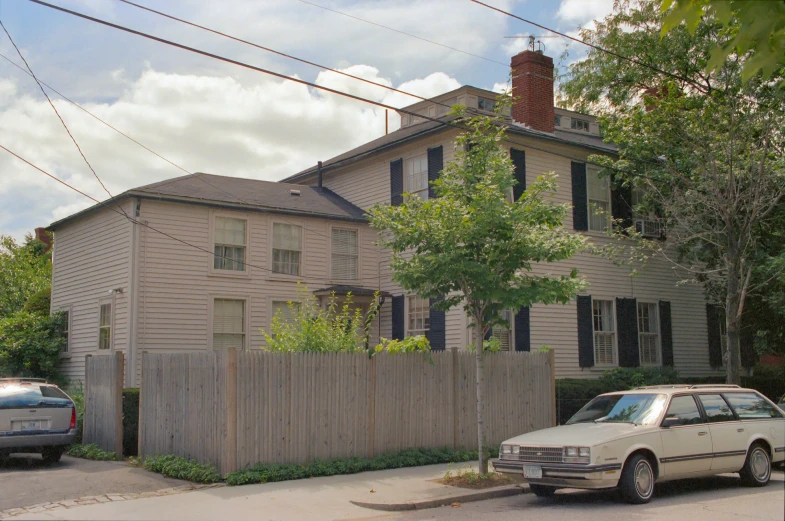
(404, 33)
(56, 112)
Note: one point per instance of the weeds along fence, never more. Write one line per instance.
(233, 409)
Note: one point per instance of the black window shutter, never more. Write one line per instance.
(746, 346)
(435, 167)
(627, 332)
(519, 162)
(580, 206)
(437, 329)
(621, 204)
(713, 317)
(666, 333)
(585, 332)
(398, 317)
(522, 330)
(396, 182)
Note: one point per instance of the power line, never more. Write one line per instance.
(56, 112)
(404, 33)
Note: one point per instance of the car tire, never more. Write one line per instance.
(542, 490)
(637, 480)
(756, 471)
(51, 454)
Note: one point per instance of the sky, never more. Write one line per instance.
(208, 116)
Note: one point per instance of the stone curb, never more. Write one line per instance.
(492, 493)
(105, 498)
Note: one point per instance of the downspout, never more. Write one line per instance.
(319, 175)
(133, 300)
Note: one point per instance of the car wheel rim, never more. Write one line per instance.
(759, 462)
(644, 479)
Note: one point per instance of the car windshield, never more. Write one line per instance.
(640, 409)
(15, 396)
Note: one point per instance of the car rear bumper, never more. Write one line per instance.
(566, 475)
(15, 440)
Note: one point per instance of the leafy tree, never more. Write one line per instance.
(756, 28)
(24, 270)
(474, 247)
(705, 150)
(30, 345)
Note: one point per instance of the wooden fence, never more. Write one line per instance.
(102, 423)
(236, 409)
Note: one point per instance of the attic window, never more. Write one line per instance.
(294, 192)
(579, 124)
(486, 104)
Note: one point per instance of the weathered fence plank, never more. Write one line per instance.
(102, 423)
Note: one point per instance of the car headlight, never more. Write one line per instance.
(572, 452)
(506, 449)
(516, 449)
(577, 454)
(585, 452)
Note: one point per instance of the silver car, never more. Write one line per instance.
(35, 416)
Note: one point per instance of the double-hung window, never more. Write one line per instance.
(416, 176)
(579, 124)
(229, 244)
(344, 254)
(648, 333)
(105, 326)
(228, 323)
(504, 332)
(599, 195)
(287, 248)
(66, 331)
(604, 332)
(419, 318)
(485, 104)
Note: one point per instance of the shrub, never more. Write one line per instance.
(39, 302)
(411, 344)
(30, 345)
(769, 381)
(77, 395)
(130, 422)
(178, 467)
(91, 451)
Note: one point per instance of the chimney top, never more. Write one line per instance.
(532, 90)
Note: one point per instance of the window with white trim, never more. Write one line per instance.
(486, 104)
(647, 224)
(105, 326)
(287, 248)
(604, 332)
(504, 333)
(67, 330)
(345, 254)
(229, 238)
(599, 196)
(419, 315)
(415, 180)
(579, 124)
(228, 323)
(648, 333)
(286, 311)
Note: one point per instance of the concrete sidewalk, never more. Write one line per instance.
(326, 498)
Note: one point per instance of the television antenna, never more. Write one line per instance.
(534, 40)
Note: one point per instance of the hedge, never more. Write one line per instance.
(130, 422)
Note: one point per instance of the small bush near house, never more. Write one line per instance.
(91, 451)
(769, 381)
(76, 392)
(181, 468)
(39, 302)
(130, 422)
(268, 473)
(410, 344)
(30, 345)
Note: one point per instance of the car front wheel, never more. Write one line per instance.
(757, 468)
(542, 490)
(637, 480)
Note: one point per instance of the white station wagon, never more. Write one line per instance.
(632, 439)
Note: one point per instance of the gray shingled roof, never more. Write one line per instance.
(235, 192)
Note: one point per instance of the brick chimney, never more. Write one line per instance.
(44, 237)
(532, 90)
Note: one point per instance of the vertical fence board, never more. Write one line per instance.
(102, 422)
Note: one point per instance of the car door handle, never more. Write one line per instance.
(739, 430)
(702, 433)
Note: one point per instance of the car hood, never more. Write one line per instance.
(578, 434)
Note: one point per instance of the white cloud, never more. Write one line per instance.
(579, 13)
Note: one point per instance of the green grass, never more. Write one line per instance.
(181, 468)
(91, 451)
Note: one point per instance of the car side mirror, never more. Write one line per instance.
(669, 422)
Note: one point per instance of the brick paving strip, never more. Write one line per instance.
(106, 498)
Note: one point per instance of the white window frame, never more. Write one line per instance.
(289, 222)
(576, 122)
(212, 297)
(212, 271)
(69, 323)
(407, 311)
(613, 332)
(407, 175)
(590, 205)
(657, 334)
(356, 230)
(510, 329)
(112, 308)
(481, 100)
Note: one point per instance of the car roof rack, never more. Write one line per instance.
(665, 386)
(721, 386)
(23, 379)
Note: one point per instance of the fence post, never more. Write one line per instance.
(454, 393)
(552, 364)
(86, 396)
(372, 407)
(230, 456)
(140, 414)
(118, 371)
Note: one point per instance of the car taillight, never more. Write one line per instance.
(73, 419)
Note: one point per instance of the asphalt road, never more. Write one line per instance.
(721, 498)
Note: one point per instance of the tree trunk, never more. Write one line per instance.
(480, 363)
(733, 327)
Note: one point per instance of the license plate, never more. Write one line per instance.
(532, 471)
(31, 426)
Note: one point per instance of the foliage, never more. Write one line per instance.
(770, 381)
(472, 246)
(130, 421)
(24, 270)
(267, 473)
(756, 29)
(39, 302)
(314, 329)
(76, 392)
(178, 467)
(30, 345)
(466, 477)
(410, 344)
(705, 150)
(91, 451)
